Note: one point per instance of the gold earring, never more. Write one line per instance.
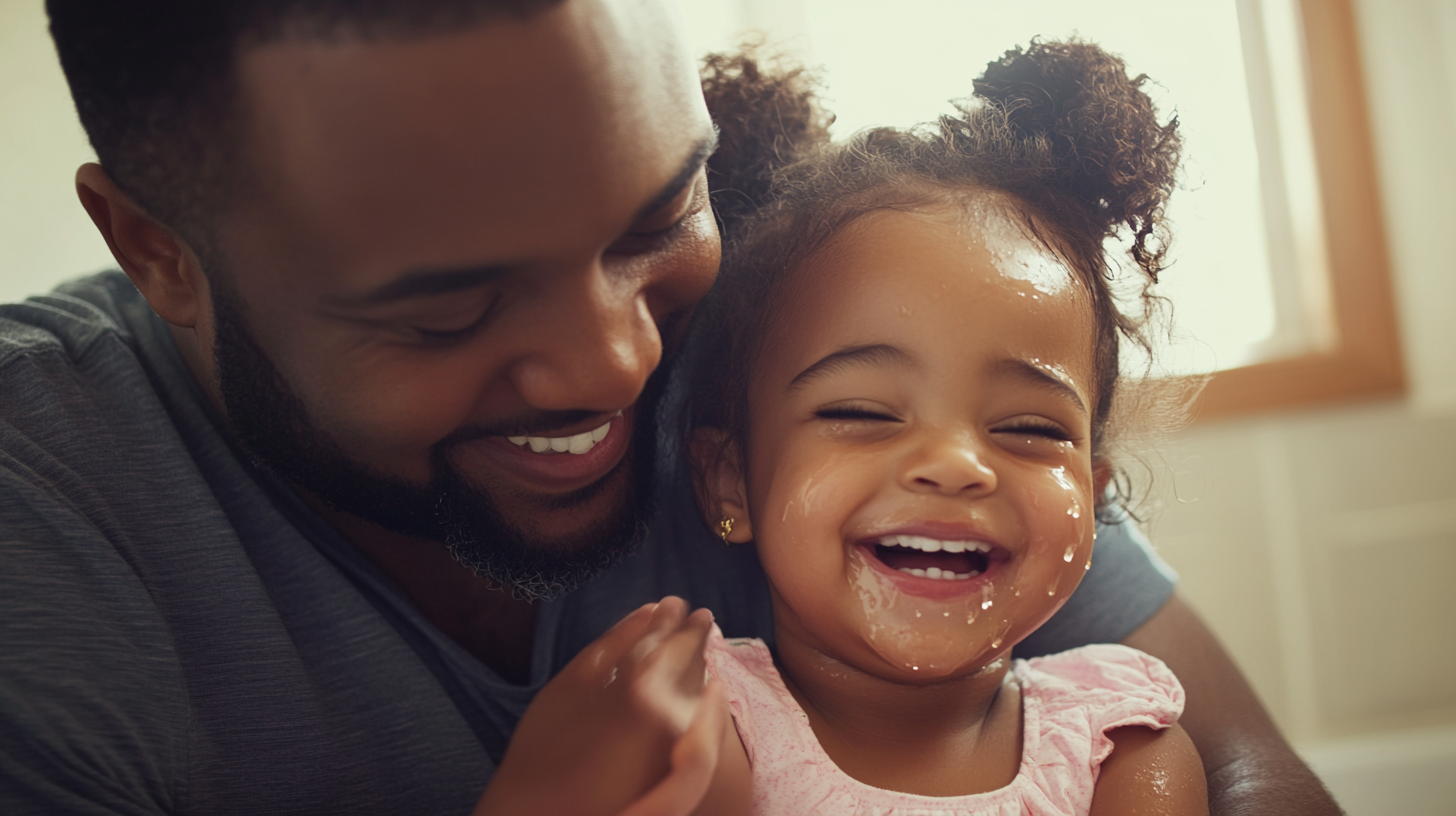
(725, 528)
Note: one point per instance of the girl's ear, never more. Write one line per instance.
(718, 479)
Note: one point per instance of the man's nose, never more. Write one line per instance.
(949, 463)
(594, 346)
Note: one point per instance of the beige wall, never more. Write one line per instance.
(45, 236)
(1321, 545)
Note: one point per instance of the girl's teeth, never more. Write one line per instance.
(938, 573)
(924, 544)
(578, 444)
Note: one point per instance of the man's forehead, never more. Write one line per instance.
(590, 99)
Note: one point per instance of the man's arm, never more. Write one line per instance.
(1251, 769)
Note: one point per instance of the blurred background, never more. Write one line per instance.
(1310, 509)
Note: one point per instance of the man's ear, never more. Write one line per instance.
(718, 477)
(159, 262)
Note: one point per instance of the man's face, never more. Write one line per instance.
(462, 248)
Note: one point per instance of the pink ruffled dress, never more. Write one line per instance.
(1069, 701)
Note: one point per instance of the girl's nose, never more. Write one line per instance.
(950, 466)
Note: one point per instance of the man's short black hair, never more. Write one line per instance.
(153, 81)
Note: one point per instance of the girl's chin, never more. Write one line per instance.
(930, 654)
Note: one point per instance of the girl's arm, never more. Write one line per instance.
(1157, 773)
(731, 791)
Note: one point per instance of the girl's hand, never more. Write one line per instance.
(1157, 773)
(629, 728)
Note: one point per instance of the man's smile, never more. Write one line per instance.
(565, 461)
(576, 444)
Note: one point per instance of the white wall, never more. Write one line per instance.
(45, 236)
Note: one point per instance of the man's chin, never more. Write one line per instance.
(559, 523)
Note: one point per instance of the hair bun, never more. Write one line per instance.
(768, 117)
(1108, 149)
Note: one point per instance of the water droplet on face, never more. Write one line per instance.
(917, 613)
(1001, 634)
(914, 668)
(1052, 590)
(946, 613)
(985, 605)
(1071, 551)
(1087, 565)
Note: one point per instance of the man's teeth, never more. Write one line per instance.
(578, 443)
(924, 544)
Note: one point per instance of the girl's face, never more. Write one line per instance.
(919, 472)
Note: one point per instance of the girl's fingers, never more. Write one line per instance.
(694, 760)
(666, 618)
(604, 653)
(680, 655)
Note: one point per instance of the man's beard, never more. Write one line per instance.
(273, 426)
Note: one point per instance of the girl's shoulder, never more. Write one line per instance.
(764, 712)
(1094, 689)
(1103, 670)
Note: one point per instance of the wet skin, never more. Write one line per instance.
(482, 233)
(930, 375)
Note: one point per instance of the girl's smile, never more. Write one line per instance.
(919, 479)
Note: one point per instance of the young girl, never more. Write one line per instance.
(900, 395)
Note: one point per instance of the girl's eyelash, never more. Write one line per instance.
(1047, 429)
(854, 413)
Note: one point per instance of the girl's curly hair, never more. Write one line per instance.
(1058, 132)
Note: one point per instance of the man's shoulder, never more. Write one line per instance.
(68, 321)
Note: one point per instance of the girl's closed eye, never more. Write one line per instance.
(1035, 433)
(850, 413)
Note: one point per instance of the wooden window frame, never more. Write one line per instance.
(1365, 360)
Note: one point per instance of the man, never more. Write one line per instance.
(400, 274)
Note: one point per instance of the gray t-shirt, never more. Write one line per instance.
(180, 634)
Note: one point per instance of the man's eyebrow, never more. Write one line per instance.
(879, 354)
(428, 283)
(1042, 376)
(690, 168)
(431, 282)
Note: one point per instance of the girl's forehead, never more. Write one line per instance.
(966, 274)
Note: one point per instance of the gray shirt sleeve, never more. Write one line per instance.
(67, 599)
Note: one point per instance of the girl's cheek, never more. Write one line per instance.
(1064, 531)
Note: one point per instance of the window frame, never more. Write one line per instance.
(1364, 361)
